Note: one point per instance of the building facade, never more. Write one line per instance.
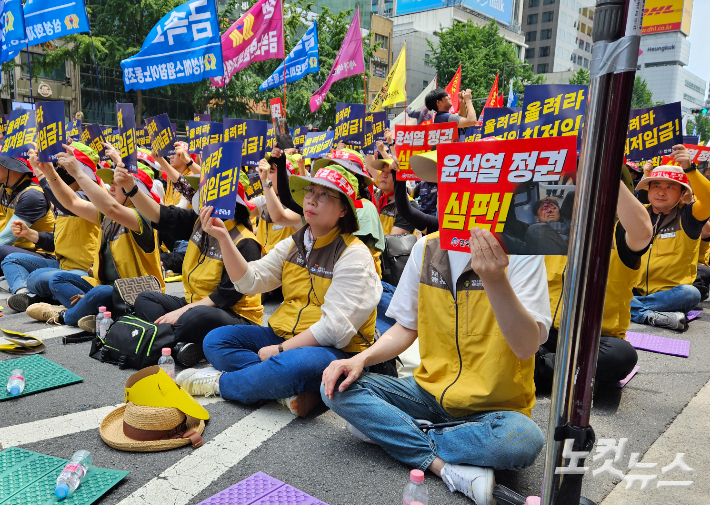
(381, 61)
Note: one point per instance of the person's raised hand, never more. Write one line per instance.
(488, 259)
(263, 170)
(291, 151)
(648, 168)
(19, 229)
(388, 135)
(467, 94)
(341, 145)
(213, 226)
(351, 368)
(114, 154)
(180, 151)
(124, 179)
(681, 156)
(276, 152)
(69, 161)
(301, 166)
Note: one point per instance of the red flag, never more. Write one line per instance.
(453, 90)
(500, 100)
(493, 95)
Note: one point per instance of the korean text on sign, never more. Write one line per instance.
(553, 110)
(162, 138)
(350, 124)
(201, 133)
(252, 134)
(93, 137)
(127, 136)
(317, 144)
(50, 136)
(413, 139)
(653, 131)
(502, 122)
(219, 177)
(20, 132)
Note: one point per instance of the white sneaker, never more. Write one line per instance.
(474, 481)
(359, 434)
(199, 381)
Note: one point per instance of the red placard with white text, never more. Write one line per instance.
(277, 109)
(413, 139)
(494, 185)
(698, 154)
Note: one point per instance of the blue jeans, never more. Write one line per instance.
(681, 298)
(234, 350)
(64, 285)
(383, 322)
(17, 267)
(385, 408)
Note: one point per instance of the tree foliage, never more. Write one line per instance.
(482, 53)
(642, 96)
(581, 76)
(703, 127)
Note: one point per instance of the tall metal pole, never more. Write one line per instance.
(616, 35)
(98, 83)
(29, 69)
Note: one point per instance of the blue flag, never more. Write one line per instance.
(184, 46)
(47, 20)
(302, 60)
(13, 29)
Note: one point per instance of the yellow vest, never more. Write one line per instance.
(617, 298)
(704, 253)
(388, 215)
(466, 363)
(172, 196)
(668, 261)
(75, 242)
(269, 233)
(306, 283)
(7, 210)
(129, 258)
(203, 265)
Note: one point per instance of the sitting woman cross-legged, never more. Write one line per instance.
(330, 290)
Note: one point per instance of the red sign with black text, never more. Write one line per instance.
(414, 139)
(513, 188)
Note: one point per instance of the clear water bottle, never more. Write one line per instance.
(106, 322)
(167, 363)
(415, 491)
(99, 318)
(16, 384)
(73, 473)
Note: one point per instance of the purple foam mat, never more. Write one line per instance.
(625, 380)
(693, 314)
(261, 489)
(663, 345)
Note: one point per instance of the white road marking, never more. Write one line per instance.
(180, 483)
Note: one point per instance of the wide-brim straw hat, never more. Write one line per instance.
(667, 173)
(155, 419)
(424, 166)
(381, 163)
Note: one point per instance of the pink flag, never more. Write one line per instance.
(256, 36)
(349, 61)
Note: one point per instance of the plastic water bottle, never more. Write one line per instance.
(106, 322)
(16, 384)
(415, 491)
(99, 318)
(167, 363)
(73, 473)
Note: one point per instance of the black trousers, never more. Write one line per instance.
(172, 261)
(615, 360)
(194, 325)
(702, 281)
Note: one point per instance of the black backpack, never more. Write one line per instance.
(395, 256)
(131, 342)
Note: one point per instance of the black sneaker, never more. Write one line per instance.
(671, 320)
(20, 301)
(188, 354)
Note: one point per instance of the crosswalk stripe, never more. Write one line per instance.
(190, 475)
(69, 424)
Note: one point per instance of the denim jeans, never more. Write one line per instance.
(7, 250)
(681, 298)
(18, 266)
(38, 281)
(234, 350)
(385, 408)
(383, 322)
(64, 285)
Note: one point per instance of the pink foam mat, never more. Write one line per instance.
(261, 489)
(663, 345)
(625, 380)
(693, 314)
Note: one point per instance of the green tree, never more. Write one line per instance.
(642, 97)
(581, 76)
(703, 127)
(483, 53)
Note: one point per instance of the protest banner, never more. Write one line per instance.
(691, 139)
(20, 132)
(698, 154)
(219, 177)
(653, 131)
(370, 146)
(472, 134)
(317, 144)
(183, 47)
(502, 122)
(3, 124)
(284, 138)
(46, 20)
(127, 136)
(497, 185)
(350, 124)
(252, 134)
(49, 118)
(256, 36)
(414, 139)
(277, 109)
(201, 134)
(270, 138)
(73, 129)
(93, 137)
(303, 59)
(553, 110)
(143, 138)
(254, 188)
(203, 117)
(299, 136)
(162, 137)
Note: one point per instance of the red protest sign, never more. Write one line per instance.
(513, 188)
(277, 110)
(413, 139)
(698, 154)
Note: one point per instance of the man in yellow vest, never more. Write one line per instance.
(74, 241)
(21, 200)
(665, 291)
(479, 317)
(185, 164)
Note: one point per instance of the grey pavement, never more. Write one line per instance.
(319, 456)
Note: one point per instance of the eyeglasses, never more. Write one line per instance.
(322, 195)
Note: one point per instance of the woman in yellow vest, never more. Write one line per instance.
(330, 290)
(73, 241)
(21, 200)
(184, 164)
(210, 299)
(665, 291)
(127, 243)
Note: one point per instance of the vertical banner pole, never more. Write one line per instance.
(225, 98)
(29, 66)
(284, 86)
(98, 83)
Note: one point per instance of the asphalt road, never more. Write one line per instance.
(317, 454)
